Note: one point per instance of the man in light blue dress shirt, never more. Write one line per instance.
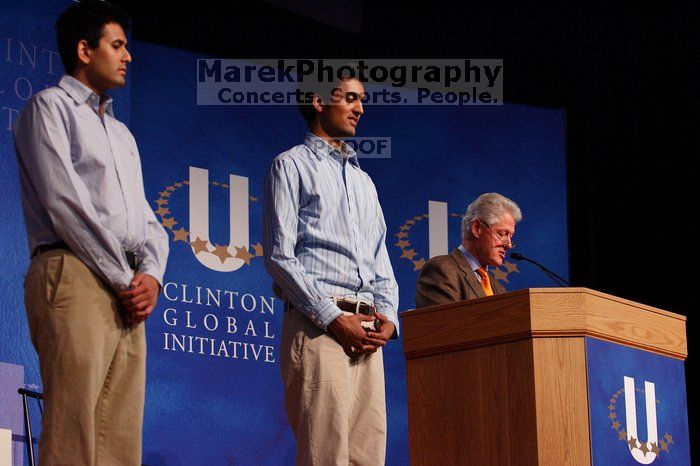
(98, 252)
(324, 242)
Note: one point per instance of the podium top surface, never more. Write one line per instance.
(542, 313)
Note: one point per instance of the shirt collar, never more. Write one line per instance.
(82, 94)
(321, 148)
(473, 262)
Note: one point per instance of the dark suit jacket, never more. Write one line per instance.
(447, 279)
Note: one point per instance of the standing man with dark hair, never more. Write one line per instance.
(487, 234)
(98, 252)
(324, 242)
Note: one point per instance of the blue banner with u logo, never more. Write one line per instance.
(214, 391)
(638, 408)
(213, 368)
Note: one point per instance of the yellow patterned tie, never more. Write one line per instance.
(485, 282)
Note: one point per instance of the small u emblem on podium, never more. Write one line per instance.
(643, 452)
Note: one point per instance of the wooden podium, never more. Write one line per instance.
(503, 380)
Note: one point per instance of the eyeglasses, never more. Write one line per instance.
(505, 240)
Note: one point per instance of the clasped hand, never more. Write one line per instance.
(141, 298)
(356, 339)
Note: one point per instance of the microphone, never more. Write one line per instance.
(557, 279)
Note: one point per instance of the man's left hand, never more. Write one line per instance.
(380, 336)
(141, 298)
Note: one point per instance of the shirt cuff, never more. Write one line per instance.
(392, 317)
(121, 281)
(324, 315)
(153, 271)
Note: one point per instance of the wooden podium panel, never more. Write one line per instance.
(448, 387)
(502, 380)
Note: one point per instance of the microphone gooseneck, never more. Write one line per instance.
(557, 279)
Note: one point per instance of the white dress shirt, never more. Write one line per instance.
(81, 181)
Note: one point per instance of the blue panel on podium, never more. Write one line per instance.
(638, 407)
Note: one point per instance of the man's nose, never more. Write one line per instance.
(359, 109)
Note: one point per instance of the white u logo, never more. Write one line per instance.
(645, 456)
(437, 228)
(238, 219)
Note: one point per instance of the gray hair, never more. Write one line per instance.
(489, 208)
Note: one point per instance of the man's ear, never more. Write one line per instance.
(84, 52)
(317, 103)
(475, 228)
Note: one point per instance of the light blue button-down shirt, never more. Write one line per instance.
(324, 232)
(81, 181)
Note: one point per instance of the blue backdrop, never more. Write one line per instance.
(214, 394)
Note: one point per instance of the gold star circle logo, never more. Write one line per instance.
(199, 245)
(409, 252)
(624, 436)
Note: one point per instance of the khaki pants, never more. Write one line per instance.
(335, 404)
(92, 365)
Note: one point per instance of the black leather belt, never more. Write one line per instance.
(347, 305)
(49, 247)
(131, 258)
